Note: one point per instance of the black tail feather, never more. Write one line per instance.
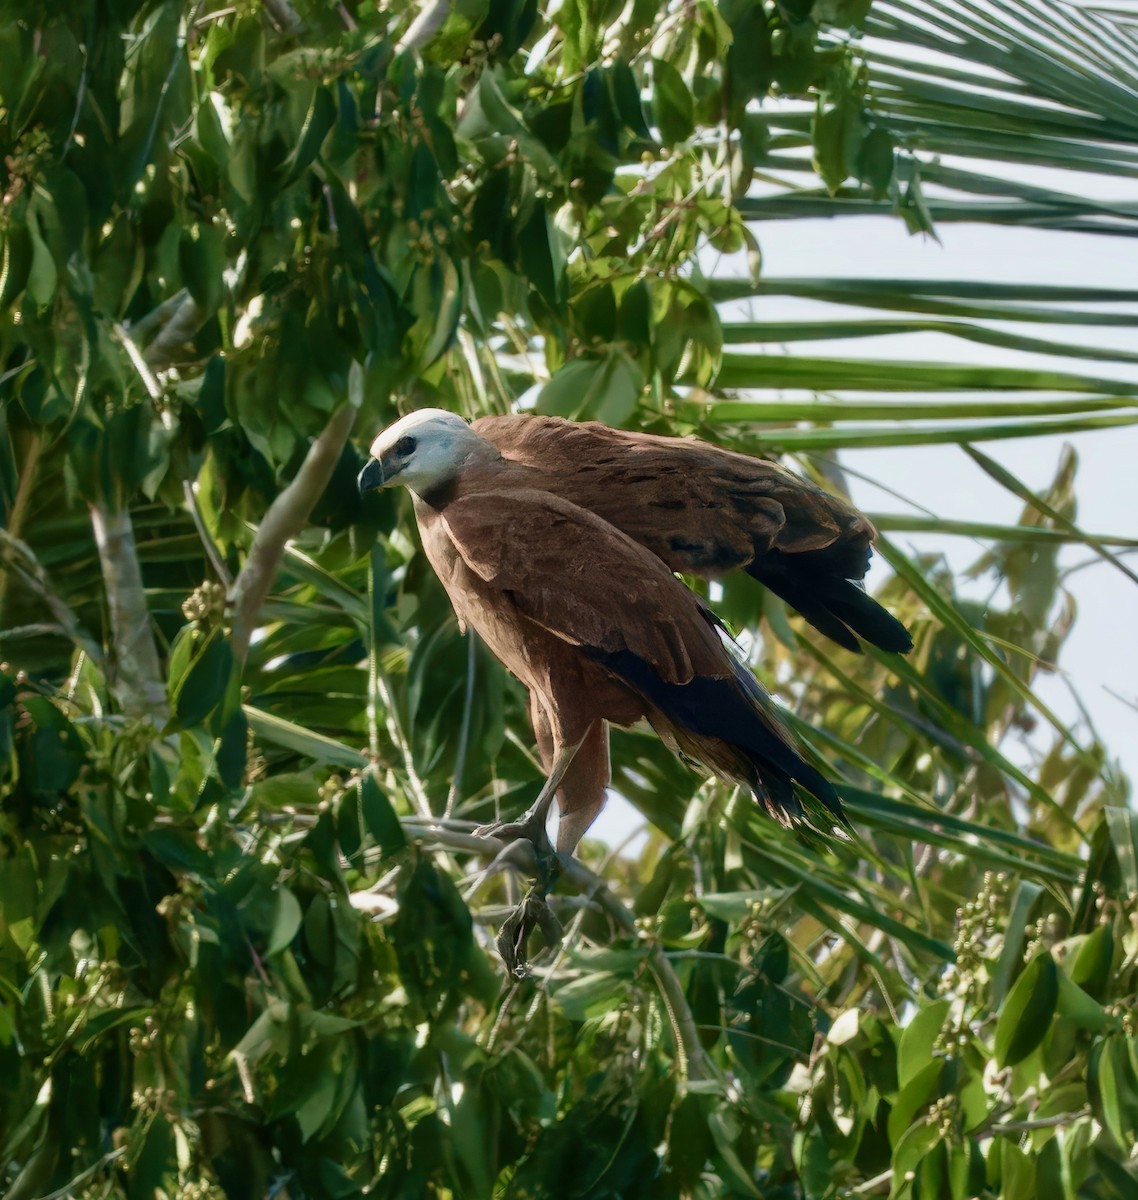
(851, 604)
(738, 712)
(834, 605)
(803, 774)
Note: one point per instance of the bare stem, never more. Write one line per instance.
(287, 516)
(138, 673)
(425, 26)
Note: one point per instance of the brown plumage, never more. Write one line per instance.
(707, 511)
(591, 621)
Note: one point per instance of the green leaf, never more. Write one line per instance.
(42, 273)
(562, 395)
(590, 995)
(201, 256)
(1027, 896)
(52, 754)
(839, 131)
(201, 668)
(918, 1041)
(1116, 1087)
(296, 738)
(912, 1100)
(287, 916)
(318, 122)
(1092, 965)
(1025, 1016)
(1080, 1009)
(378, 815)
(672, 106)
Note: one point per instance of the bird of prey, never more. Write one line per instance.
(579, 600)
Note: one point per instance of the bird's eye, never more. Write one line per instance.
(405, 446)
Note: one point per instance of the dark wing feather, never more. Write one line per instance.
(707, 511)
(590, 585)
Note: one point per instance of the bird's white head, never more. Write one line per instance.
(424, 450)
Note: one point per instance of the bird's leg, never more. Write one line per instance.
(530, 826)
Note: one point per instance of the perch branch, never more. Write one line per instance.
(689, 1049)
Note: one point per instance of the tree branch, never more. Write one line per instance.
(287, 516)
(424, 27)
(138, 673)
(20, 505)
(179, 319)
(284, 16)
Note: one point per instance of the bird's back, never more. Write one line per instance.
(707, 511)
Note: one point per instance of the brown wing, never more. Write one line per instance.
(697, 506)
(584, 581)
(580, 579)
(708, 511)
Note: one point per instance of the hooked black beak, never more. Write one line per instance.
(371, 477)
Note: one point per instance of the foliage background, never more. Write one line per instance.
(245, 947)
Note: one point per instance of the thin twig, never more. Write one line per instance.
(70, 1188)
(372, 662)
(154, 389)
(464, 726)
(395, 732)
(35, 629)
(19, 558)
(879, 1185)
(1064, 1118)
(179, 49)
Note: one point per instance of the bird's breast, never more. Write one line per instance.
(545, 663)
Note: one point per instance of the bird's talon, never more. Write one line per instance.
(531, 913)
(530, 830)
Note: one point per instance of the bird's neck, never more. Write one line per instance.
(480, 470)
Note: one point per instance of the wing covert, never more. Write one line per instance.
(584, 581)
